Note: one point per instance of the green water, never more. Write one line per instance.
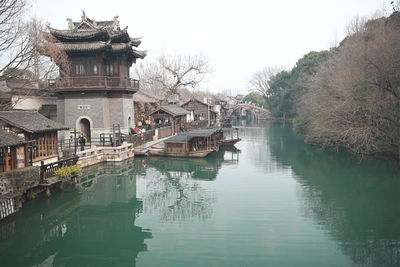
(273, 201)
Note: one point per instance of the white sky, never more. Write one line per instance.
(239, 36)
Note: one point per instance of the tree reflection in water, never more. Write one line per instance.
(173, 187)
(94, 223)
(356, 202)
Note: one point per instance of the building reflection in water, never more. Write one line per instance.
(91, 224)
(94, 223)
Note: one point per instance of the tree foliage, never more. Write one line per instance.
(257, 98)
(353, 101)
(282, 88)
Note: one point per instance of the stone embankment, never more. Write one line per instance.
(105, 154)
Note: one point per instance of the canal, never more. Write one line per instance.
(271, 201)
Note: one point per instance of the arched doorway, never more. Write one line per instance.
(129, 122)
(84, 128)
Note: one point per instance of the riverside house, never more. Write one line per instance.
(201, 111)
(13, 151)
(35, 129)
(172, 115)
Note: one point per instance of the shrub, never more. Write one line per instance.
(66, 172)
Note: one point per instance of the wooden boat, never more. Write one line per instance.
(189, 154)
(229, 142)
(193, 144)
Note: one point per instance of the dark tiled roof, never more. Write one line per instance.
(204, 132)
(101, 46)
(76, 35)
(174, 110)
(10, 139)
(186, 136)
(179, 138)
(30, 121)
(90, 35)
(141, 96)
(197, 100)
(99, 23)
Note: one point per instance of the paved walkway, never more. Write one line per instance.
(142, 149)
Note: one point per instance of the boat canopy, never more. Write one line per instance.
(187, 136)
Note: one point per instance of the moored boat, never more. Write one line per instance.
(229, 142)
(232, 141)
(193, 144)
(189, 154)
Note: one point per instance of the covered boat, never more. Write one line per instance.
(226, 141)
(193, 144)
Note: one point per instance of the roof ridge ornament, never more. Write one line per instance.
(83, 15)
(115, 24)
(70, 24)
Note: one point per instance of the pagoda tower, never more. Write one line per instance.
(96, 92)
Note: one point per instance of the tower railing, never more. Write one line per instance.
(94, 82)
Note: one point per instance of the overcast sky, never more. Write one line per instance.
(240, 36)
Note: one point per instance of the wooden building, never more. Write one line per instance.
(144, 104)
(40, 132)
(96, 92)
(201, 110)
(13, 151)
(170, 115)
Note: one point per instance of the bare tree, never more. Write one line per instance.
(23, 47)
(354, 100)
(15, 47)
(170, 74)
(261, 80)
(356, 25)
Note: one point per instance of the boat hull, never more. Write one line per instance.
(191, 154)
(229, 142)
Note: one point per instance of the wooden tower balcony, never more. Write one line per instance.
(93, 83)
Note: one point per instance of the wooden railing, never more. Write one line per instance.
(94, 82)
(47, 170)
(141, 138)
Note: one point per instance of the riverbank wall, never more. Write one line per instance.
(98, 155)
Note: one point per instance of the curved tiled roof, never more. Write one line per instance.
(101, 46)
(174, 110)
(10, 139)
(89, 35)
(30, 121)
(78, 35)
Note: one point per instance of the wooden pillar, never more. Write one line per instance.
(6, 166)
(26, 154)
(56, 143)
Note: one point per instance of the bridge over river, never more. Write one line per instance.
(249, 111)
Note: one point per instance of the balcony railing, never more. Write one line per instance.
(94, 82)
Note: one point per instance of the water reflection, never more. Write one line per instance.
(174, 191)
(356, 202)
(88, 225)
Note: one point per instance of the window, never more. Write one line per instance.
(46, 145)
(111, 68)
(95, 70)
(79, 69)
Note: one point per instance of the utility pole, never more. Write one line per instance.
(208, 112)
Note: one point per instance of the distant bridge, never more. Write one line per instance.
(249, 111)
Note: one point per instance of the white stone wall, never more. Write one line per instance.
(31, 102)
